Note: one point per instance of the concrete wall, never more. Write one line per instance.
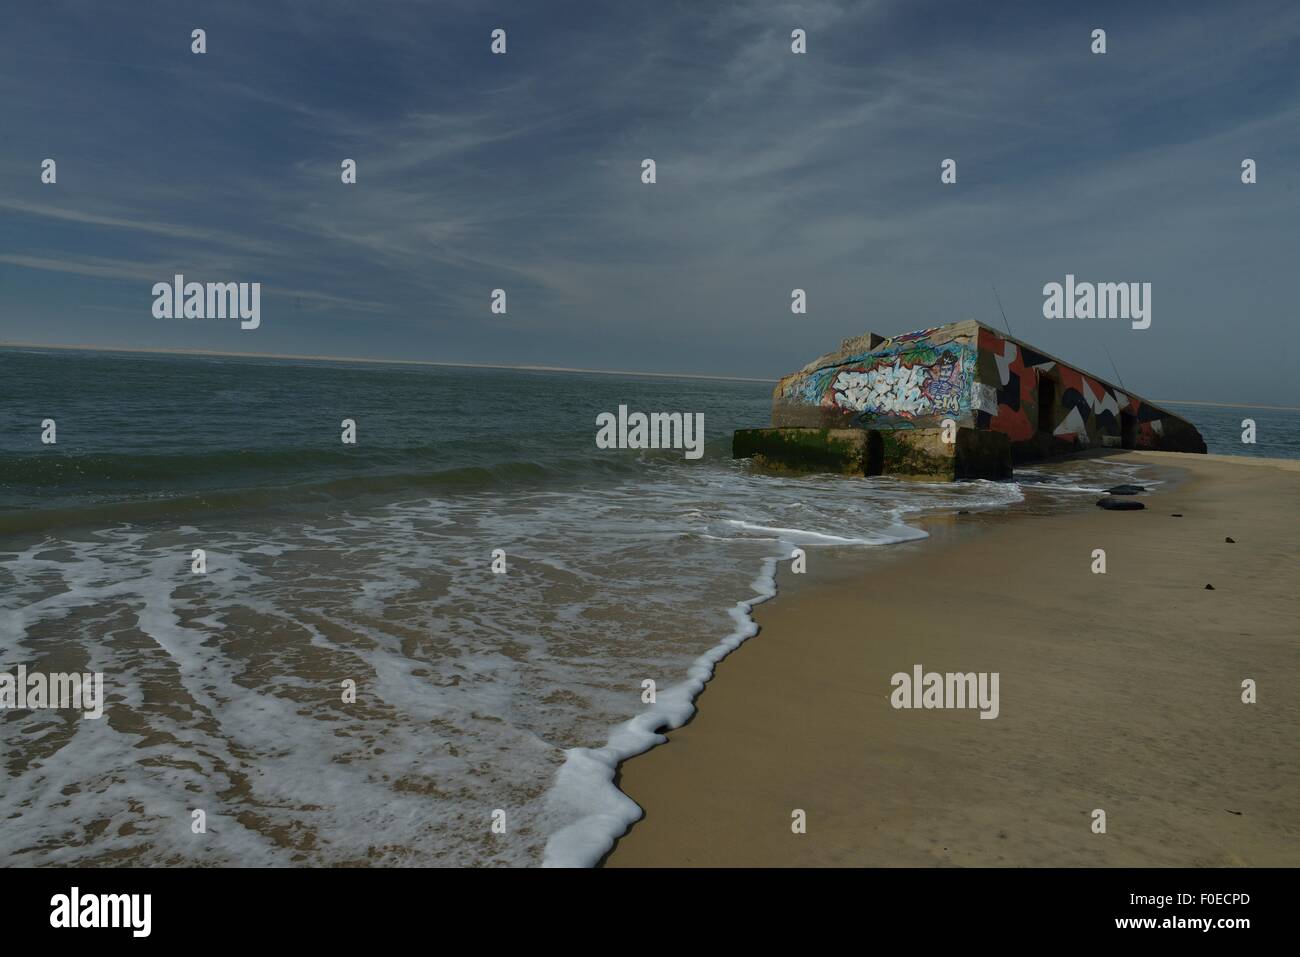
(1079, 412)
(904, 453)
(911, 381)
(1010, 403)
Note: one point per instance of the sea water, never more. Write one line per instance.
(490, 710)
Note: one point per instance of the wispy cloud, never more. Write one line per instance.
(774, 171)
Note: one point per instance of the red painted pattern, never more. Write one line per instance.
(1014, 422)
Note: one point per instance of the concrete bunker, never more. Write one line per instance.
(955, 401)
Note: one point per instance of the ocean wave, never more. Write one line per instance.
(477, 691)
(104, 510)
(585, 784)
(798, 536)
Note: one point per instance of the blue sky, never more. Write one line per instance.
(775, 171)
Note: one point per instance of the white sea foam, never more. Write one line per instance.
(798, 536)
(585, 786)
(475, 691)
(1092, 477)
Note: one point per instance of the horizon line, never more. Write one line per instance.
(147, 350)
(413, 362)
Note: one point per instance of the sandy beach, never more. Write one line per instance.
(1119, 691)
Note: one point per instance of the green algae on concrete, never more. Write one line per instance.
(806, 450)
(905, 453)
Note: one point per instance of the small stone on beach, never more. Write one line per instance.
(1119, 504)
(1125, 490)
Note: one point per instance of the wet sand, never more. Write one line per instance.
(1119, 691)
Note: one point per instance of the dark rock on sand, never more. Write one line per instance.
(1125, 490)
(1119, 504)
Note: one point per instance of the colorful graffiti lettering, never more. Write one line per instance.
(901, 390)
(972, 374)
(908, 384)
